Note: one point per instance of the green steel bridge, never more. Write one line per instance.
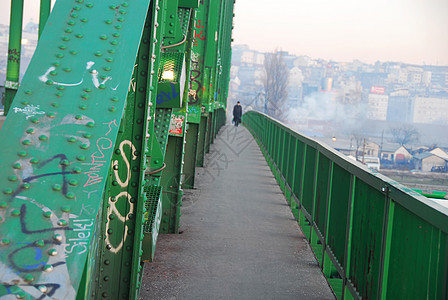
(117, 110)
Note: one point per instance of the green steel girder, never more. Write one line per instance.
(14, 53)
(62, 128)
(93, 171)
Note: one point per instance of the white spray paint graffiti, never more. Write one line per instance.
(124, 194)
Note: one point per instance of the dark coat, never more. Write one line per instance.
(237, 112)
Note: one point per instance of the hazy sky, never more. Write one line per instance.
(412, 31)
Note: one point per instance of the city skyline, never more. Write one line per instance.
(407, 31)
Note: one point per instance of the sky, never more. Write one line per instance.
(410, 31)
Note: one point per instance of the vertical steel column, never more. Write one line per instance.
(45, 7)
(14, 49)
(190, 155)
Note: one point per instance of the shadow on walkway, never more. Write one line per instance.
(239, 240)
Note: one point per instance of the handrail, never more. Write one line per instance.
(373, 237)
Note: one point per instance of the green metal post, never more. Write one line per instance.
(14, 50)
(201, 142)
(190, 155)
(45, 7)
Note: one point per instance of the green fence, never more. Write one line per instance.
(373, 238)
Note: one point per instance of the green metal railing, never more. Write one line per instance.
(373, 238)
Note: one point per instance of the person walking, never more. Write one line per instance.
(237, 113)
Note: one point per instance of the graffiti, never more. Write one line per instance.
(97, 158)
(89, 65)
(38, 291)
(195, 83)
(14, 55)
(112, 209)
(83, 231)
(162, 97)
(199, 35)
(29, 110)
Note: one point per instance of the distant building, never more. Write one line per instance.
(430, 110)
(377, 106)
(429, 162)
(400, 109)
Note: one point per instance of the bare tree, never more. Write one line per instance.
(405, 134)
(360, 141)
(275, 83)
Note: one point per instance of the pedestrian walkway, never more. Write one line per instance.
(239, 238)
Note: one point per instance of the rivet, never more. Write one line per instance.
(98, 53)
(77, 170)
(106, 278)
(87, 90)
(62, 47)
(78, 117)
(107, 68)
(64, 162)
(25, 102)
(47, 214)
(67, 69)
(81, 158)
(28, 92)
(73, 52)
(89, 5)
(80, 1)
(108, 22)
(17, 166)
(112, 109)
(22, 153)
(115, 99)
(83, 107)
(49, 82)
(26, 186)
(114, 183)
(30, 130)
(34, 120)
(59, 94)
(7, 191)
(49, 268)
(57, 187)
(6, 242)
(113, 199)
(107, 262)
(52, 252)
(77, 7)
(79, 35)
(71, 23)
(57, 237)
(70, 195)
(43, 138)
(103, 37)
(40, 243)
(12, 178)
(15, 212)
(111, 51)
(84, 146)
(90, 124)
(114, 43)
(68, 30)
(109, 59)
(28, 277)
(118, 26)
(65, 209)
(120, 19)
(109, 231)
(125, 4)
(84, 20)
(102, 86)
(112, 7)
(73, 182)
(115, 34)
(71, 139)
(122, 11)
(108, 246)
(118, 151)
(74, 15)
(34, 161)
(43, 289)
(21, 295)
(105, 295)
(60, 87)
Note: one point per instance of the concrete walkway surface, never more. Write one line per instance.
(239, 238)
